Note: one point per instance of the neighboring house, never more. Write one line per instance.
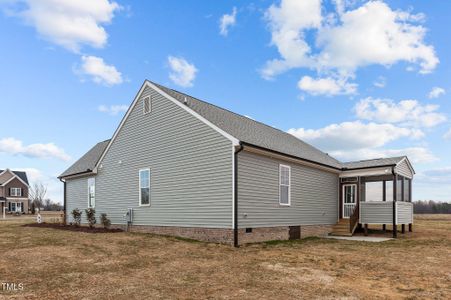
(14, 191)
(189, 168)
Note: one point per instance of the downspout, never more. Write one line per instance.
(64, 201)
(235, 200)
(395, 195)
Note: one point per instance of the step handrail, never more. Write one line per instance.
(354, 219)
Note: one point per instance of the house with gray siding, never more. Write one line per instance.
(180, 166)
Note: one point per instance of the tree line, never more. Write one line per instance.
(431, 207)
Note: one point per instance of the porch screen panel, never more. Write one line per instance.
(406, 189)
(399, 189)
(389, 191)
(374, 191)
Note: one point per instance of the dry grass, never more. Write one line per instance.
(54, 264)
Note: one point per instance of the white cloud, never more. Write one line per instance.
(405, 112)
(113, 110)
(326, 86)
(68, 23)
(354, 135)
(415, 154)
(436, 92)
(227, 21)
(380, 82)
(288, 23)
(375, 34)
(182, 72)
(15, 147)
(341, 42)
(447, 135)
(99, 71)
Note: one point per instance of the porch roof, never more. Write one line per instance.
(372, 163)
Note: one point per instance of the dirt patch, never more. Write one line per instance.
(73, 228)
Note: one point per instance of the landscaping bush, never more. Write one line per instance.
(105, 221)
(76, 214)
(91, 217)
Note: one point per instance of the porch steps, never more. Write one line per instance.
(341, 228)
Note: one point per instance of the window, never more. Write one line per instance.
(147, 105)
(284, 185)
(144, 187)
(15, 192)
(91, 192)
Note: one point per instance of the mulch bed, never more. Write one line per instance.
(73, 228)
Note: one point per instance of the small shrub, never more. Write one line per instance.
(105, 221)
(91, 217)
(76, 214)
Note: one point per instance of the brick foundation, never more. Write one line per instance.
(214, 235)
(315, 230)
(225, 236)
(263, 234)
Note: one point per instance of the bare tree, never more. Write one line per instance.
(37, 194)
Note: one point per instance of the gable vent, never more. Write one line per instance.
(147, 105)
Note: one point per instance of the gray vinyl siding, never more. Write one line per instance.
(314, 194)
(376, 212)
(404, 212)
(76, 196)
(191, 169)
(404, 170)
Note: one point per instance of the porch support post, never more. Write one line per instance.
(366, 229)
(395, 182)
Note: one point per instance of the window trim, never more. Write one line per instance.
(147, 98)
(289, 184)
(15, 189)
(89, 192)
(139, 186)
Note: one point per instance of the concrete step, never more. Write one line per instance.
(340, 233)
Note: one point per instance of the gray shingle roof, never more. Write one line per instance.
(252, 132)
(22, 175)
(88, 161)
(245, 130)
(369, 163)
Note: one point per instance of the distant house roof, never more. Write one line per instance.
(88, 161)
(370, 163)
(22, 175)
(245, 130)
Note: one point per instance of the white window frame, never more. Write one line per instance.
(139, 191)
(15, 192)
(90, 204)
(148, 98)
(289, 185)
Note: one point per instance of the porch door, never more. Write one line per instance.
(19, 207)
(349, 199)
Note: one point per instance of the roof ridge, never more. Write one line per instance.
(253, 120)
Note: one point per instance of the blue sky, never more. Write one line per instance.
(357, 79)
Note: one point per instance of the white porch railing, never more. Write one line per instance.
(348, 209)
(379, 212)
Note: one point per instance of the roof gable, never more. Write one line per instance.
(21, 175)
(87, 162)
